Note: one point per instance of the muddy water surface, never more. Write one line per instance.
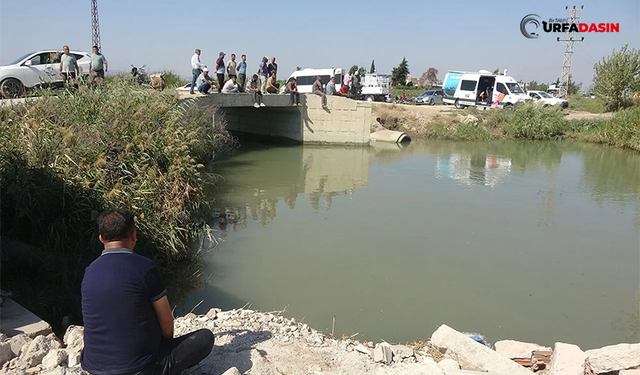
(534, 241)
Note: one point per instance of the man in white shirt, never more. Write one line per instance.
(196, 69)
(231, 66)
(230, 86)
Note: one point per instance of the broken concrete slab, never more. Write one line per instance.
(449, 364)
(15, 320)
(383, 353)
(516, 349)
(567, 359)
(613, 358)
(472, 355)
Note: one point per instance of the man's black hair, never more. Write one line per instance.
(116, 224)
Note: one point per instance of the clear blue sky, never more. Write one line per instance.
(463, 35)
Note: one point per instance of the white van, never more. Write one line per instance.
(464, 89)
(306, 77)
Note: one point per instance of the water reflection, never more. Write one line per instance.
(257, 179)
(492, 237)
(473, 169)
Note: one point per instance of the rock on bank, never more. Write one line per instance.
(250, 342)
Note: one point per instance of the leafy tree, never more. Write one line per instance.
(400, 73)
(616, 75)
(572, 87)
(543, 87)
(362, 71)
(353, 69)
(373, 67)
(429, 78)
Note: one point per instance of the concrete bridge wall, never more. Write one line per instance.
(344, 121)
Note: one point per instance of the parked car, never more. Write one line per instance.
(35, 69)
(546, 99)
(430, 97)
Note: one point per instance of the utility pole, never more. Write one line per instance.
(95, 27)
(563, 90)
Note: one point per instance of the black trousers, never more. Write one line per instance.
(181, 353)
(295, 97)
(220, 81)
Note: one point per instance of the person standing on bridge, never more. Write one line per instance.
(317, 89)
(263, 71)
(196, 70)
(232, 66)
(242, 72)
(273, 67)
(220, 68)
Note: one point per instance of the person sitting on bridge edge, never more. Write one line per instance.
(204, 82)
(292, 89)
(331, 87)
(271, 84)
(317, 89)
(128, 323)
(344, 90)
(252, 86)
(230, 86)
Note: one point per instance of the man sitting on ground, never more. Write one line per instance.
(128, 324)
(252, 87)
(230, 86)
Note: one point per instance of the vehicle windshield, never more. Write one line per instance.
(427, 93)
(544, 94)
(20, 59)
(514, 88)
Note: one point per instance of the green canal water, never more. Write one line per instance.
(532, 241)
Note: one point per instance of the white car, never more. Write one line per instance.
(36, 69)
(546, 99)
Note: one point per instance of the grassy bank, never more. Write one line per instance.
(66, 158)
(526, 122)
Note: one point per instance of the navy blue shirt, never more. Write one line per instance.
(121, 330)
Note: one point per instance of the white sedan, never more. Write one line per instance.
(39, 68)
(545, 99)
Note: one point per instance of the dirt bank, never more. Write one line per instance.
(441, 121)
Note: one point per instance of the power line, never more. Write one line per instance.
(563, 90)
(95, 27)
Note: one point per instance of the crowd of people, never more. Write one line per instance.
(232, 78)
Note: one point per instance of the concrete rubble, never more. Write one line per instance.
(612, 358)
(567, 359)
(250, 342)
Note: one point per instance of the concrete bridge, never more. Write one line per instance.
(344, 121)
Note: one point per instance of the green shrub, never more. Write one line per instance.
(621, 130)
(117, 146)
(173, 80)
(531, 122)
(580, 103)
